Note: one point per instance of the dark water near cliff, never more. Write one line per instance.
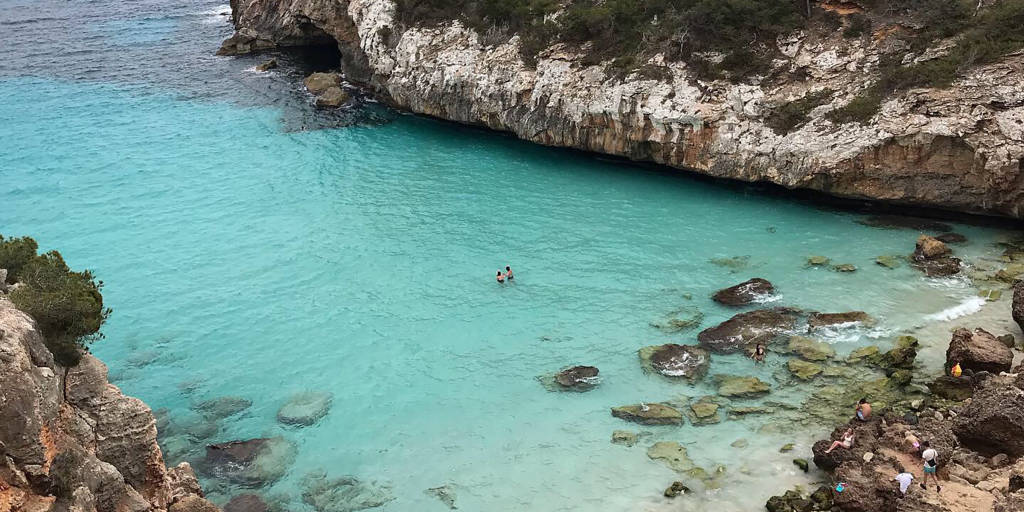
(253, 246)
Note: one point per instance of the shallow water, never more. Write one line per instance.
(247, 254)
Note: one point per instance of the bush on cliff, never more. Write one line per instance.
(67, 305)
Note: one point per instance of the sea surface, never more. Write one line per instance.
(252, 246)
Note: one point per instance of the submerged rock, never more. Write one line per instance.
(735, 262)
(741, 387)
(343, 494)
(676, 361)
(704, 412)
(246, 503)
(680, 320)
(624, 437)
(744, 293)
(577, 378)
(844, 267)
(220, 408)
(978, 351)
(745, 329)
(305, 408)
(903, 222)
(318, 83)
(672, 454)
(889, 261)
(809, 349)
(267, 66)
(445, 493)
(803, 370)
(802, 464)
(817, 320)
(951, 238)
(250, 463)
(649, 414)
(333, 97)
(862, 354)
(817, 261)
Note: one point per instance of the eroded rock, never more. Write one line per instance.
(978, 351)
(741, 387)
(747, 292)
(747, 329)
(577, 378)
(818, 320)
(649, 414)
(676, 361)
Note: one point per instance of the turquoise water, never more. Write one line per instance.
(246, 257)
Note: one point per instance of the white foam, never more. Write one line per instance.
(219, 14)
(969, 306)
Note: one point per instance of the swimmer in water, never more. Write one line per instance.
(501, 277)
(508, 273)
(759, 353)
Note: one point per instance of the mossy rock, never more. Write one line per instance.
(649, 414)
(802, 464)
(704, 412)
(863, 354)
(673, 455)
(741, 387)
(1010, 273)
(803, 370)
(817, 261)
(990, 295)
(889, 261)
(810, 349)
(844, 267)
(786, 448)
(739, 412)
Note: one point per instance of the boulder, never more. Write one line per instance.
(1017, 306)
(809, 349)
(333, 97)
(952, 388)
(817, 261)
(305, 408)
(741, 387)
(803, 370)
(978, 351)
(649, 414)
(929, 248)
(844, 267)
(578, 378)
(245, 40)
(744, 293)
(677, 361)
(247, 502)
(676, 489)
(343, 494)
(266, 66)
(993, 421)
(747, 329)
(862, 354)
(802, 464)
(940, 267)
(193, 503)
(817, 320)
(249, 463)
(318, 83)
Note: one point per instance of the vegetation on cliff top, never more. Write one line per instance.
(67, 305)
(735, 39)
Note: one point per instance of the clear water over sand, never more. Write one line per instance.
(247, 256)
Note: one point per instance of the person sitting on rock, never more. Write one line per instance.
(863, 409)
(913, 444)
(508, 273)
(931, 465)
(759, 353)
(904, 477)
(501, 277)
(847, 441)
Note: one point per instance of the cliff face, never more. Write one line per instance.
(959, 148)
(70, 441)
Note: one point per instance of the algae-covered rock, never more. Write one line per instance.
(786, 448)
(220, 408)
(803, 370)
(578, 378)
(649, 414)
(673, 455)
(250, 463)
(802, 464)
(680, 320)
(863, 354)
(889, 261)
(745, 329)
(676, 489)
(810, 349)
(844, 267)
(735, 262)
(1011, 273)
(817, 320)
(676, 361)
(740, 412)
(624, 437)
(817, 261)
(744, 293)
(704, 412)
(444, 493)
(741, 387)
(740, 443)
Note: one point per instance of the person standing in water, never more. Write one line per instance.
(508, 273)
(759, 353)
(501, 277)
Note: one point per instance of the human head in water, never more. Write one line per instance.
(499, 272)
(759, 349)
(508, 268)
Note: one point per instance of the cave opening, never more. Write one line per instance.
(316, 58)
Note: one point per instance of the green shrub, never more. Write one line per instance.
(67, 305)
(793, 114)
(858, 26)
(15, 253)
(860, 109)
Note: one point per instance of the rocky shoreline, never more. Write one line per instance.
(959, 148)
(70, 441)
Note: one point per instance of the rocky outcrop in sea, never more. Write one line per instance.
(71, 441)
(958, 148)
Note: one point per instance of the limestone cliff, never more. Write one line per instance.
(958, 148)
(70, 441)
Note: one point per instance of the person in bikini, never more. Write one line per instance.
(501, 277)
(847, 441)
(758, 353)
